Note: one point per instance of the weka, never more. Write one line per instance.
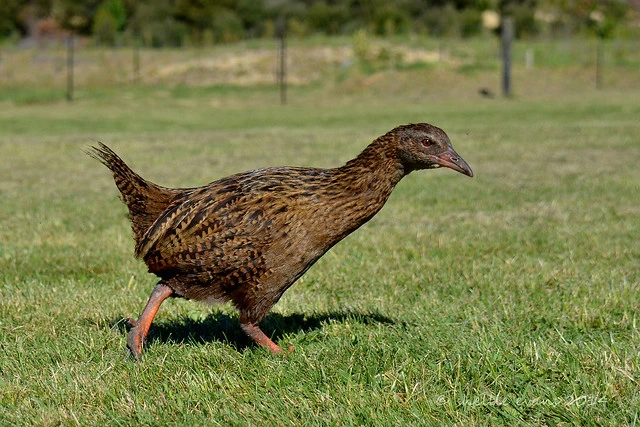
(246, 238)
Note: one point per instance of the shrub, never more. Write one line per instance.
(524, 21)
(227, 26)
(390, 21)
(470, 22)
(327, 19)
(442, 21)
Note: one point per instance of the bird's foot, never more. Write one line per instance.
(278, 350)
(255, 333)
(139, 328)
(134, 342)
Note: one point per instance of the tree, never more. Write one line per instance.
(76, 15)
(329, 19)
(110, 19)
(9, 23)
(604, 16)
(523, 13)
(155, 22)
(253, 14)
(206, 17)
(17, 17)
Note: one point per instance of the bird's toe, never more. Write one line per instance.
(134, 343)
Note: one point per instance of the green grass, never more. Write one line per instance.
(509, 298)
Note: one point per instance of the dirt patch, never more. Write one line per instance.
(305, 65)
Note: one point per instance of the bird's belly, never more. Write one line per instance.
(214, 300)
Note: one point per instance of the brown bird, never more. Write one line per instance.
(246, 238)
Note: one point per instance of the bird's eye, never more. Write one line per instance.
(427, 142)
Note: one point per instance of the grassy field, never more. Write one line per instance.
(509, 298)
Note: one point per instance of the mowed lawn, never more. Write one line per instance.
(509, 298)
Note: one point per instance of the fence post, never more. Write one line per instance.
(529, 59)
(506, 35)
(281, 31)
(599, 62)
(70, 64)
(136, 60)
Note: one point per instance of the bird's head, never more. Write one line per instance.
(423, 146)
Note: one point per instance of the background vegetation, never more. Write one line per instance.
(206, 22)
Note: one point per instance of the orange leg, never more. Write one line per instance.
(259, 337)
(138, 333)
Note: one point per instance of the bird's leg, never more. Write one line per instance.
(138, 333)
(259, 337)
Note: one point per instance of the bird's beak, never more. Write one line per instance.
(450, 159)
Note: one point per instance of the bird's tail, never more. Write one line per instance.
(145, 200)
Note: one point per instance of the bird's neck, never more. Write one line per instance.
(377, 166)
(368, 180)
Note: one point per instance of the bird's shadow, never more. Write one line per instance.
(222, 327)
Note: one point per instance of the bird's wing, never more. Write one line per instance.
(219, 229)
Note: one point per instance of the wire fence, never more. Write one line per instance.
(58, 65)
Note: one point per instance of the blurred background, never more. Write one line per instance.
(52, 49)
